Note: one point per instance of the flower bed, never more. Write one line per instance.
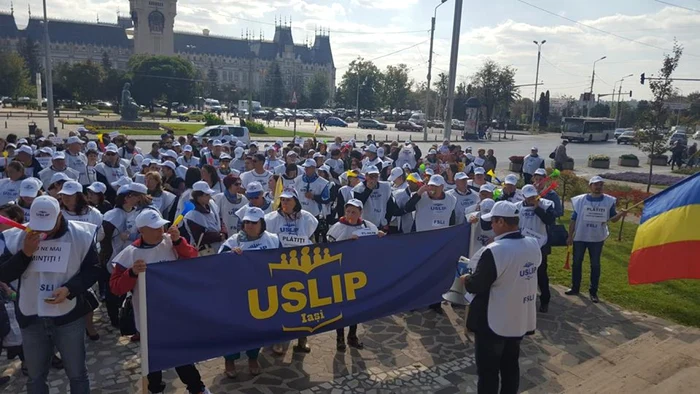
(628, 160)
(516, 163)
(640, 177)
(599, 161)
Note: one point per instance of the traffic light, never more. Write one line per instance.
(630, 93)
(641, 79)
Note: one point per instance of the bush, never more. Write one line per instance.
(639, 177)
(665, 157)
(686, 171)
(212, 120)
(629, 156)
(570, 185)
(517, 159)
(599, 158)
(255, 128)
(627, 196)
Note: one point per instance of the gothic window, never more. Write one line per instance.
(156, 22)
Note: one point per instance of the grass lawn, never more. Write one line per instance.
(677, 300)
(185, 128)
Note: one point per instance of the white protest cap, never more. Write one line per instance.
(111, 148)
(479, 161)
(595, 179)
(429, 171)
(253, 188)
(218, 143)
(534, 148)
(43, 213)
(461, 175)
(97, 187)
(145, 162)
(74, 140)
(271, 148)
(225, 156)
(432, 152)
(25, 149)
(479, 171)
(436, 180)
(123, 189)
(137, 188)
(529, 191)
(317, 154)
(138, 159)
(486, 187)
(254, 143)
(380, 152)
(46, 150)
(291, 153)
(187, 148)
(238, 152)
(540, 171)
(309, 163)
(170, 153)
(289, 193)
(202, 186)
(253, 214)
(240, 144)
(486, 205)
(176, 144)
(503, 209)
(371, 148)
(58, 177)
(469, 149)
(325, 168)
(22, 141)
(71, 187)
(170, 165)
(395, 173)
(60, 155)
(91, 145)
(29, 187)
(355, 203)
(511, 179)
(150, 218)
(371, 170)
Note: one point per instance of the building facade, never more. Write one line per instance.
(241, 63)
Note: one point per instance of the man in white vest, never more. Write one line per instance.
(463, 195)
(76, 159)
(531, 162)
(314, 191)
(377, 199)
(510, 192)
(57, 263)
(503, 310)
(58, 164)
(588, 229)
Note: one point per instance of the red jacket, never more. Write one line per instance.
(124, 280)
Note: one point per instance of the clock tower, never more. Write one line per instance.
(153, 26)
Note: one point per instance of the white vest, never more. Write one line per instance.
(341, 231)
(346, 192)
(404, 222)
(531, 163)
(9, 190)
(434, 214)
(47, 173)
(375, 207)
(267, 240)
(530, 224)
(316, 188)
(210, 222)
(51, 268)
(79, 164)
(192, 162)
(92, 216)
(512, 309)
(111, 173)
(296, 232)
(163, 203)
(122, 221)
(251, 176)
(164, 251)
(592, 218)
(227, 210)
(464, 201)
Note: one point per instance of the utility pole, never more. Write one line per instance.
(617, 109)
(537, 78)
(453, 67)
(49, 79)
(430, 67)
(250, 87)
(588, 106)
(357, 108)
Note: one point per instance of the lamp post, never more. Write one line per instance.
(537, 78)
(456, 25)
(358, 95)
(430, 66)
(617, 108)
(49, 78)
(588, 111)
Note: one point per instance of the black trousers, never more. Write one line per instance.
(497, 359)
(188, 374)
(340, 332)
(527, 177)
(113, 303)
(543, 281)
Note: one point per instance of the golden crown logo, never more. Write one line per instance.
(303, 261)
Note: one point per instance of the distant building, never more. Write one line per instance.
(150, 29)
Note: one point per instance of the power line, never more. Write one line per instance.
(389, 54)
(558, 68)
(677, 6)
(600, 30)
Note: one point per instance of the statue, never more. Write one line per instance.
(129, 108)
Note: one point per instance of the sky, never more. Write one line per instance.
(632, 34)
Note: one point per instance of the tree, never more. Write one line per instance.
(367, 76)
(318, 90)
(212, 84)
(14, 75)
(112, 86)
(395, 87)
(28, 48)
(440, 85)
(274, 86)
(85, 81)
(494, 86)
(600, 110)
(168, 78)
(521, 110)
(106, 62)
(654, 117)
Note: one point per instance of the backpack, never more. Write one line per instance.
(551, 155)
(127, 322)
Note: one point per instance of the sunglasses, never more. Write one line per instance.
(249, 222)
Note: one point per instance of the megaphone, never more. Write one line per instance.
(456, 293)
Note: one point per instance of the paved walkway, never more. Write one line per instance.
(426, 353)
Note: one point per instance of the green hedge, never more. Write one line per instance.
(255, 128)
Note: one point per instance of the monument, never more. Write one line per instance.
(129, 109)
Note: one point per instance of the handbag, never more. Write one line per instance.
(91, 299)
(127, 322)
(557, 235)
(551, 155)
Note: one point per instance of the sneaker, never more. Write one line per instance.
(571, 292)
(544, 308)
(594, 299)
(340, 344)
(355, 342)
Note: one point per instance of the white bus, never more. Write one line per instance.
(587, 129)
(243, 105)
(212, 105)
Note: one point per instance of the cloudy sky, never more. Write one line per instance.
(633, 34)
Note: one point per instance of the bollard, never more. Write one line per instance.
(27, 115)
(436, 138)
(512, 137)
(8, 115)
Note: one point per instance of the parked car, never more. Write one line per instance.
(335, 121)
(241, 133)
(627, 137)
(197, 116)
(371, 124)
(407, 125)
(436, 123)
(618, 132)
(678, 136)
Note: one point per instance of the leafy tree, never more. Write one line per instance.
(85, 81)
(274, 87)
(167, 78)
(14, 75)
(494, 86)
(112, 86)
(29, 49)
(318, 90)
(521, 110)
(106, 62)
(600, 110)
(654, 117)
(395, 87)
(212, 83)
(440, 85)
(365, 74)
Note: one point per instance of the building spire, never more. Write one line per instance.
(29, 8)
(12, 8)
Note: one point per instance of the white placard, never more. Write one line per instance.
(364, 232)
(532, 234)
(52, 256)
(290, 240)
(113, 134)
(56, 140)
(595, 214)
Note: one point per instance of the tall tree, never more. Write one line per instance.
(366, 75)
(650, 139)
(395, 87)
(168, 78)
(275, 92)
(318, 90)
(106, 62)
(600, 110)
(14, 75)
(29, 49)
(521, 110)
(440, 85)
(494, 86)
(544, 110)
(212, 84)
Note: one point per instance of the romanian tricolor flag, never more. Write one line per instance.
(668, 242)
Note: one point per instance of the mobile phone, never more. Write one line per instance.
(49, 299)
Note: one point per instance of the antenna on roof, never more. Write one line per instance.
(12, 8)
(29, 8)
(290, 21)
(241, 33)
(275, 20)
(98, 18)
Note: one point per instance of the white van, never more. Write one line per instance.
(418, 118)
(212, 105)
(217, 132)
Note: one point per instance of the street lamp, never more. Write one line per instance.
(430, 66)
(358, 95)
(537, 78)
(617, 108)
(588, 111)
(48, 77)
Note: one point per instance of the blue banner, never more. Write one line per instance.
(222, 304)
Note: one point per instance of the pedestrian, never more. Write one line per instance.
(96, 197)
(52, 304)
(677, 152)
(588, 229)
(258, 173)
(203, 223)
(464, 196)
(559, 155)
(376, 197)
(510, 192)
(153, 246)
(503, 310)
(531, 162)
(538, 181)
(314, 191)
(230, 201)
(692, 155)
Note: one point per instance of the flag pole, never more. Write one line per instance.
(143, 331)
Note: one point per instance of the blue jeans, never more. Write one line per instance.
(595, 249)
(39, 340)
